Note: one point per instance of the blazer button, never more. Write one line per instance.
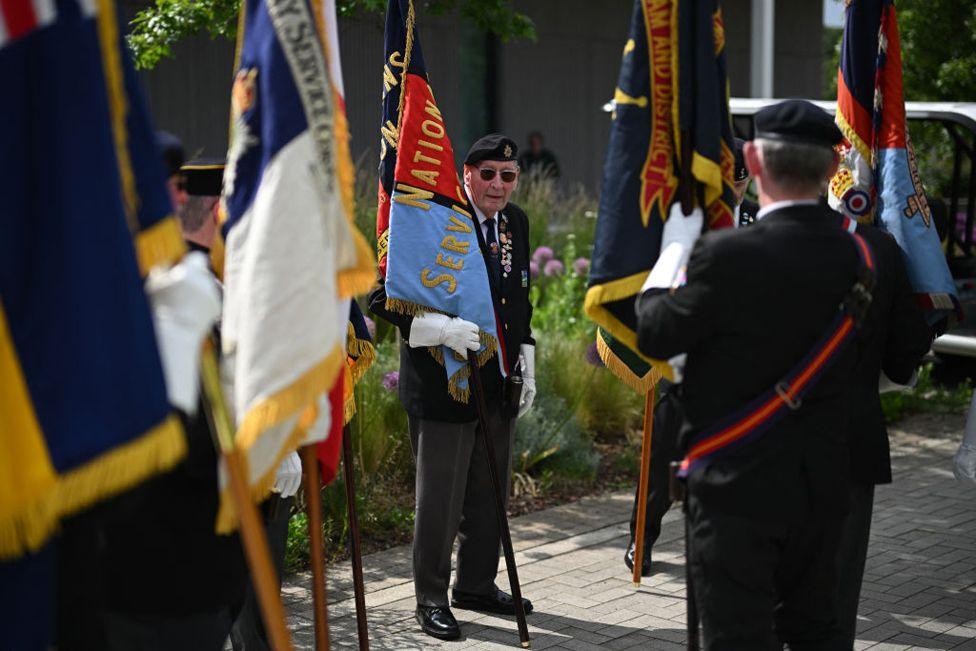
(503, 301)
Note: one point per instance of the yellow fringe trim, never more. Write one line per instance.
(160, 244)
(362, 354)
(227, 516)
(616, 290)
(853, 138)
(217, 252)
(293, 399)
(154, 452)
(290, 400)
(28, 529)
(28, 511)
(108, 38)
(640, 384)
(118, 470)
(459, 393)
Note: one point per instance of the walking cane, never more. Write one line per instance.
(678, 494)
(253, 536)
(645, 475)
(354, 551)
(477, 391)
(313, 508)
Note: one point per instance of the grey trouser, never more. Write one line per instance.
(852, 556)
(454, 498)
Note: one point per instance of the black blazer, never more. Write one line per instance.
(756, 302)
(893, 339)
(423, 382)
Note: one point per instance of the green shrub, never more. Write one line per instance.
(927, 396)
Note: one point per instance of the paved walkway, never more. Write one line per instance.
(919, 590)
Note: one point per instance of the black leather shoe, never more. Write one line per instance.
(501, 603)
(645, 561)
(439, 622)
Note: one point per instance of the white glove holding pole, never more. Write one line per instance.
(288, 479)
(527, 361)
(964, 466)
(430, 329)
(887, 385)
(680, 235)
(185, 303)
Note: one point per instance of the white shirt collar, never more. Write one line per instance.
(776, 205)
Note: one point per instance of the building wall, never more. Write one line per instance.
(557, 84)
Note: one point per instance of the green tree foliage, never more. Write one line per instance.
(938, 40)
(156, 29)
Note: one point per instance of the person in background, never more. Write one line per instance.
(537, 161)
(453, 490)
(668, 415)
(764, 514)
(171, 149)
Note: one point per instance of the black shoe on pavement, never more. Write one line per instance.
(501, 603)
(645, 561)
(439, 622)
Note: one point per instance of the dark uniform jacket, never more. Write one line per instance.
(756, 302)
(423, 381)
(893, 339)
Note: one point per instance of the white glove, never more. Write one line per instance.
(680, 234)
(887, 385)
(289, 476)
(185, 303)
(964, 467)
(430, 329)
(678, 367)
(528, 379)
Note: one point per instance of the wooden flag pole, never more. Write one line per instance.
(252, 530)
(477, 392)
(354, 548)
(313, 509)
(645, 475)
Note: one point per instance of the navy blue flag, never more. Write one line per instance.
(671, 103)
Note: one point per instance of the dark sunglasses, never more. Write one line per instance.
(488, 173)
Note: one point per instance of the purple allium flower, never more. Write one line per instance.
(542, 255)
(370, 327)
(581, 266)
(534, 269)
(593, 355)
(391, 380)
(554, 268)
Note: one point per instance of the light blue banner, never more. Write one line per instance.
(434, 261)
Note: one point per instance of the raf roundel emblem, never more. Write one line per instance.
(857, 202)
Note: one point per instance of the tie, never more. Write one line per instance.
(494, 256)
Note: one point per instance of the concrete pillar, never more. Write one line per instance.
(762, 53)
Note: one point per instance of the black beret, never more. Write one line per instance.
(204, 177)
(740, 173)
(797, 120)
(171, 150)
(494, 146)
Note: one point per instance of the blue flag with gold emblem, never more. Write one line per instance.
(429, 250)
(670, 115)
(85, 215)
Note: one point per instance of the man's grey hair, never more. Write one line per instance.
(195, 212)
(794, 166)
